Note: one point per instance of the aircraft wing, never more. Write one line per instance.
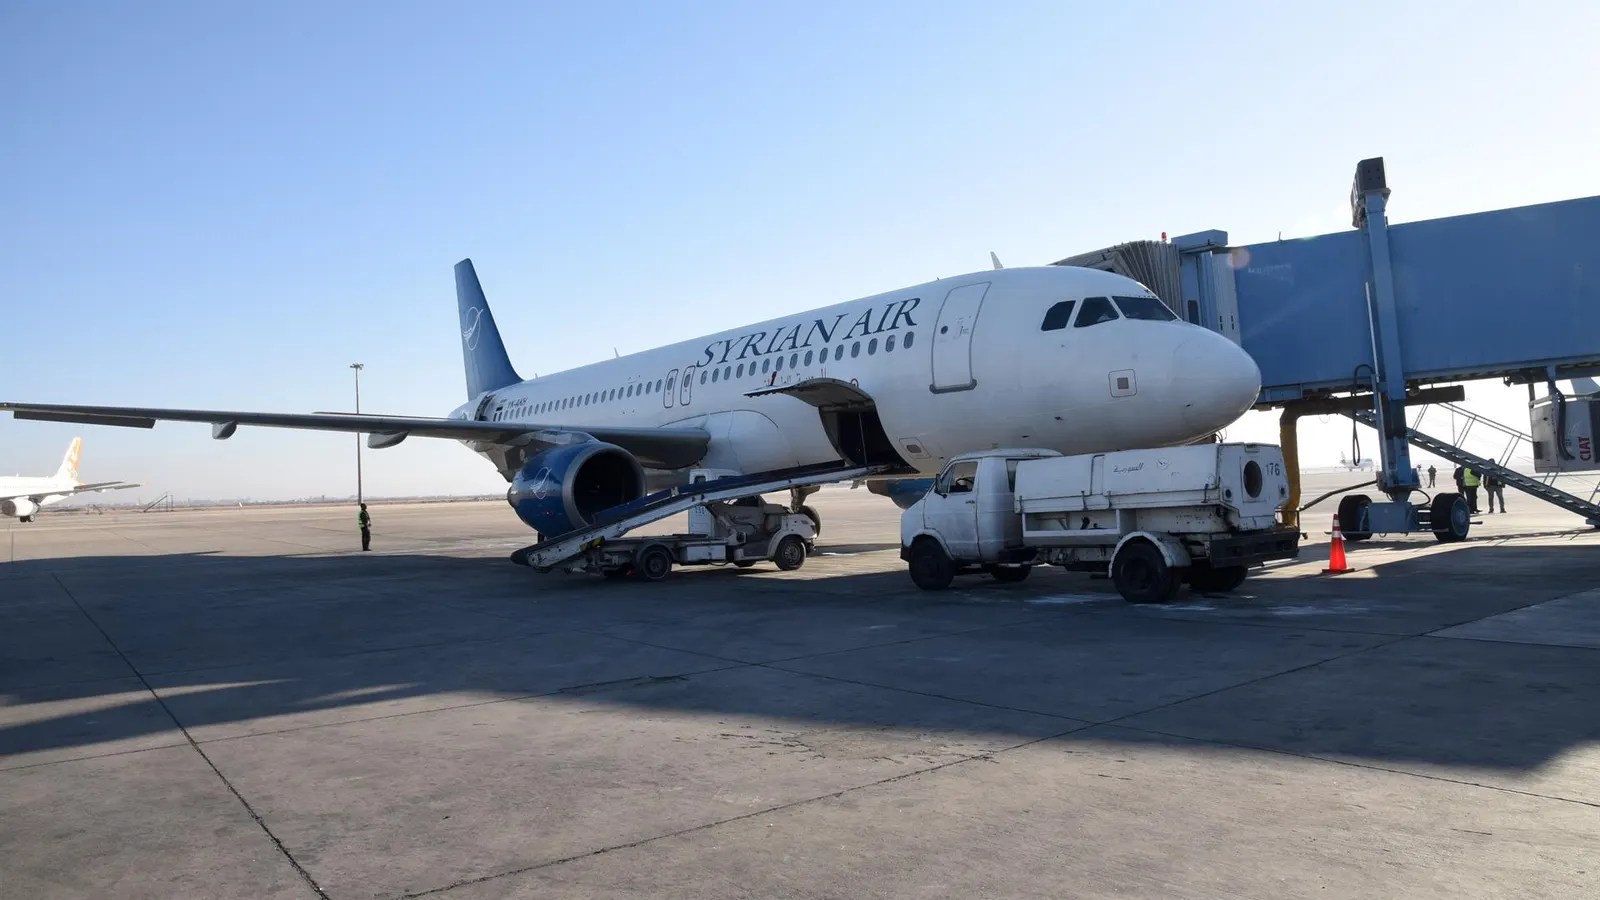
(36, 496)
(667, 448)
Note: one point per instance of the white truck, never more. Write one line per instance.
(1152, 519)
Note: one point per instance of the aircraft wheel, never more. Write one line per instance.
(1010, 574)
(1142, 575)
(930, 567)
(1449, 518)
(815, 517)
(653, 563)
(791, 553)
(1353, 517)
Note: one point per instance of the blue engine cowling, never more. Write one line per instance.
(563, 488)
(903, 491)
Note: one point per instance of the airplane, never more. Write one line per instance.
(1071, 359)
(1364, 463)
(21, 497)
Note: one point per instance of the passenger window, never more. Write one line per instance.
(739, 372)
(906, 344)
(777, 366)
(1095, 310)
(1148, 308)
(766, 365)
(808, 357)
(872, 347)
(888, 344)
(794, 361)
(1057, 317)
(838, 353)
(715, 373)
(658, 386)
(855, 350)
(703, 376)
(960, 477)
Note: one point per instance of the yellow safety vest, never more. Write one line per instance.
(1469, 478)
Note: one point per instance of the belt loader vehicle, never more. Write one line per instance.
(1151, 519)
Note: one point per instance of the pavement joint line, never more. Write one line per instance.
(56, 762)
(613, 682)
(1314, 757)
(260, 822)
(987, 755)
(1435, 635)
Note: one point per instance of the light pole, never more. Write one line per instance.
(358, 367)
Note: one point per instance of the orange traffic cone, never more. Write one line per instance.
(1336, 563)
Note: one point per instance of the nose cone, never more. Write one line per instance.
(1216, 380)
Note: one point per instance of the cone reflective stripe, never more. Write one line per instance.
(1336, 561)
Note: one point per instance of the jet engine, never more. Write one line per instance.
(21, 507)
(903, 491)
(562, 489)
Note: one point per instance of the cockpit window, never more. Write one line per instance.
(1095, 310)
(1144, 308)
(1058, 316)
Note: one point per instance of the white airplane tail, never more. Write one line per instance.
(69, 463)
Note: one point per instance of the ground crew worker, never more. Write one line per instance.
(1433, 475)
(1469, 480)
(365, 521)
(1496, 490)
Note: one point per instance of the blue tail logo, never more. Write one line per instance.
(483, 354)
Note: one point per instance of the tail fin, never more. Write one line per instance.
(482, 352)
(69, 463)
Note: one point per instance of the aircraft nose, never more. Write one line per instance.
(1219, 382)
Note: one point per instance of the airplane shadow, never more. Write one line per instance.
(1360, 667)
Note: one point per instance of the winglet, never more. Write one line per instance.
(995, 260)
(482, 352)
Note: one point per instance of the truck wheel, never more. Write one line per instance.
(1010, 574)
(931, 568)
(791, 553)
(653, 563)
(1353, 517)
(1142, 575)
(1219, 580)
(1449, 518)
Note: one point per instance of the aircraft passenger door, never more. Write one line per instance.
(670, 392)
(952, 339)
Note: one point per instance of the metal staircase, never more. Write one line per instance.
(1589, 510)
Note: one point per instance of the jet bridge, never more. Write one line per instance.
(1369, 318)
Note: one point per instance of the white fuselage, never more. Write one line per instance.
(23, 496)
(953, 366)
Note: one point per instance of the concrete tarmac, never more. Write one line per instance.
(239, 703)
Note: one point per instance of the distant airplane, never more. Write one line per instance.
(21, 497)
(1071, 359)
(1364, 463)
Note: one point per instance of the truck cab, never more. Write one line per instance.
(971, 507)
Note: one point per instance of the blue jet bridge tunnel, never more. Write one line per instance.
(1364, 322)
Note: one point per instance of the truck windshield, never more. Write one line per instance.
(1144, 308)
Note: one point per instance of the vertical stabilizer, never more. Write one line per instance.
(482, 352)
(69, 463)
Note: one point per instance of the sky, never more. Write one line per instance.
(224, 205)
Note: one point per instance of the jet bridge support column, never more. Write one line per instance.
(1368, 196)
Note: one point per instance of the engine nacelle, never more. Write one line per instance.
(903, 491)
(563, 488)
(20, 507)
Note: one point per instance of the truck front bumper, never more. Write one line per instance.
(1253, 548)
